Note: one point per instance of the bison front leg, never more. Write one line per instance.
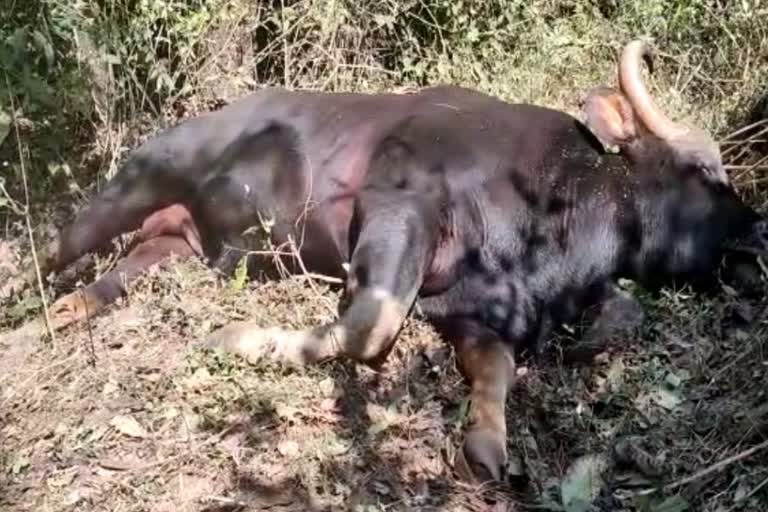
(393, 239)
(87, 302)
(488, 364)
(618, 315)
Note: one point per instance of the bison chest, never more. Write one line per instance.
(505, 292)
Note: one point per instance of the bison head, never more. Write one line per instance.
(691, 212)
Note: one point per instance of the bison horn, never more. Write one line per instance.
(632, 85)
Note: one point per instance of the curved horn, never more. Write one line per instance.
(631, 82)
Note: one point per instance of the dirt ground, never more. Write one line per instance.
(127, 413)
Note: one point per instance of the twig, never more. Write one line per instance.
(718, 466)
(320, 277)
(27, 219)
(306, 272)
(756, 166)
(33, 378)
(745, 129)
(201, 64)
(286, 49)
(742, 144)
(695, 72)
(747, 167)
(749, 494)
(226, 501)
(91, 346)
(719, 21)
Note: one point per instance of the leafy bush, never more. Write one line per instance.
(87, 77)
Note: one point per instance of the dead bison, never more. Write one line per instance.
(501, 220)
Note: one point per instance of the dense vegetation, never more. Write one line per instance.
(83, 74)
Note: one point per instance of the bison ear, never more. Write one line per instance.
(610, 116)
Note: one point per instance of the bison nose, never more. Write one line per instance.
(758, 238)
(743, 269)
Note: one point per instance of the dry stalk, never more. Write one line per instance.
(228, 502)
(697, 73)
(717, 466)
(33, 379)
(27, 217)
(751, 493)
(750, 167)
(201, 63)
(286, 49)
(746, 129)
(284, 34)
(91, 346)
(310, 280)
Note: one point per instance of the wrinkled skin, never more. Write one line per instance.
(501, 220)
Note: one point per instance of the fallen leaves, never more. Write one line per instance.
(582, 482)
(128, 426)
(288, 448)
(666, 398)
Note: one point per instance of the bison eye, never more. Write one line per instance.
(702, 169)
(695, 170)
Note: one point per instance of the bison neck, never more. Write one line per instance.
(521, 266)
(520, 269)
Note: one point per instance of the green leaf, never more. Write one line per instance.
(241, 274)
(56, 168)
(37, 90)
(667, 399)
(672, 504)
(44, 44)
(20, 464)
(5, 125)
(112, 59)
(377, 428)
(18, 42)
(22, 308)
(582, 482)
(673, 380)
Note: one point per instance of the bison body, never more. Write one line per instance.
(499, 220)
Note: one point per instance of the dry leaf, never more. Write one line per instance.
(329, 404)
(286, 412)
(129, 426)
(63, 478)
(582, 482)
(199, 380)
(110, 387)
(116, 465)
(666, 399)
(288, 448)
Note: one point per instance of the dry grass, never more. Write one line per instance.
(126, 414)
(211, 431)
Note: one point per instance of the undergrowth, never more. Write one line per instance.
(89, 77)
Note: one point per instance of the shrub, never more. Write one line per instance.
(87, 76)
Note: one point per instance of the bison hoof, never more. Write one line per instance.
(483, 457)
(255, 343)
(73, 308)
